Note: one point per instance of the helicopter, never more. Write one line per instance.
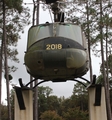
(56, 51)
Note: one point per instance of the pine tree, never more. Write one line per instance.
(13, 19)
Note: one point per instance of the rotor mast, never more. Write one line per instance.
(58, 14)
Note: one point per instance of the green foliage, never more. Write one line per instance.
(46, 91)
(53, 108)
(111, 95)
(10, 77)
(99, 79)
(53, 102)
(75, 114)
(108, 69)
(79, 89)
(43, 93)
(47, 101)
(14, 4)
(88, 14)
(12, 92)
(4, 110)
(17, 17)
(50, 115)
(110, 63)
(80, 96)
(75, 106)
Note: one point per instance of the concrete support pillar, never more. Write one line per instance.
(97, 112)
(25, 112)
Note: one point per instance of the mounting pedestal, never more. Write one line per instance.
(97, 103)
(23, 104)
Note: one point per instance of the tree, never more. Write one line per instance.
(48, 102)
(53, 103)
(106, 83)
(80, 95)
(4, 115)
(77, 104)
(5, 60)
(35, 21)
(75, 114)
(54, 108)
(43, 94)
(12, 93)
(99, 31)
(50, 115)
(15, 17)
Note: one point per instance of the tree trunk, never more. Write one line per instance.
(6, 64)
(36, 102)
(1, 75)
(0, 82)
(107, 65)
(33, 18)
(109, 117)
(1, 56)
(89, 49)
(36, 10)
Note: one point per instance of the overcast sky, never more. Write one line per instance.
(59, 89)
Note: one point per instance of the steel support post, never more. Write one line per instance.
(97, 103)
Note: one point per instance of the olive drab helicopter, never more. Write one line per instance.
(56, 51)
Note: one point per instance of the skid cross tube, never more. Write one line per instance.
(80, 82)
(55, 81)
(85, 79)
(22, 85)
(40, 83)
